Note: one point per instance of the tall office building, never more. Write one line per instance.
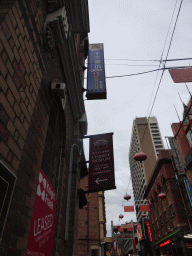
(145, 138)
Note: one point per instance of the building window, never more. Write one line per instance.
(7, 184)
(158, 146)
(54, 144)
(161, 220)
(94, 252)
(189, 136)
(171, 210)
(164, 184)
(166, 216)
(157, 224)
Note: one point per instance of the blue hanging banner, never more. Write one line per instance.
(96, 85)
(189, 189)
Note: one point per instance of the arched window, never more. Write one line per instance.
(164, 184)
(54, 144)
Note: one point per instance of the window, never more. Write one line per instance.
(155, 131)
(7, 184)
(158, 146)
(156, 135)
(166, 216)
(157, 139)
(164, 184)
(54, 144)
(157, 224)
(161, 220)
(189, 136)
(171, 210)
(94, 252)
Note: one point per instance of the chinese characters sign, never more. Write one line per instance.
(96, 86)
(144, 208)
(122, 236)
(128, 208)
(42, 228)
(101, 163)
(139, 231)
(149, 231)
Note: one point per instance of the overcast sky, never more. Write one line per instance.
(132, 31)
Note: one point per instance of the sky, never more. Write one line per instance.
(136, 34)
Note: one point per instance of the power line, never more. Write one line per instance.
(145, 72)
(162, 54)
(153, 60)
(164, 64)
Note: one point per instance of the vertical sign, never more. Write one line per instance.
(149, 231)
(176, 156)
(139, 231)
(101, 163)
(189, 189)
(96, 86)
(42, 228)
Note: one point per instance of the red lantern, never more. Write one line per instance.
(127, 197)
(140, 156)
(121, 216)
(162, 195)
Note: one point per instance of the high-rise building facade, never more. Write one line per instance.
(145, 138)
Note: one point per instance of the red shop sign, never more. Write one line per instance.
(41, 235)
(165, 243)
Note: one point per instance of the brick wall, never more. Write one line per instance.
(160, 205)
(25, 99)
(88, 227)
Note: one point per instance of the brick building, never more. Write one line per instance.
(92, 224)
(168, 216)
(43, 46)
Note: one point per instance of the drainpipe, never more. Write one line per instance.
(69, 189)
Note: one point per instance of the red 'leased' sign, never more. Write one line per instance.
(41, 235)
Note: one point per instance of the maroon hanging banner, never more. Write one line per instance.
(144, 208)
(41, 235)
(128, 208)
(121, 230)
(183, 75)
(101, 162)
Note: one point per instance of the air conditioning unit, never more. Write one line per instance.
(59, 89)
(60, 16)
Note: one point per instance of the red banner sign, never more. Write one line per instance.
(101, 163)
(41, 235)
(144, 208)
(129, 229)
(121, 230)
(128, 208)
(139, 231)
(149, 231)
(134, 246)
(183, 75)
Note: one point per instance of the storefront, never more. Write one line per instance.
(173, 245)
